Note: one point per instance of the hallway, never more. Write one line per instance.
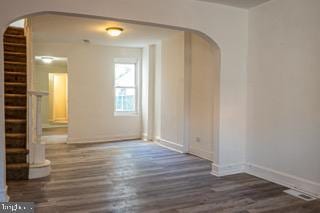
(135, 176)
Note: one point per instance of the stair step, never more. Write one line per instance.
(16, 140)
(15, 135)
(17, 39)
(15, 95)
(15, 53)
(16, 155)
(17, 165)
(14, 44)
(15, 47)
(15, 121)
(15, 112)
(15, 88)
(15, 63)
(17, 151)
(15, 77)
(15, 73)
(14, 36)
(15, 107)
(17, 171)
(14, 31)
(15, 99)
(15, 84)
(17, 57)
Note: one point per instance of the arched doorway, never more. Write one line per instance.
(217, 122)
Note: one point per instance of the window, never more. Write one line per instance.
(125, 88)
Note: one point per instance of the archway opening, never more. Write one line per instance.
(177, 101)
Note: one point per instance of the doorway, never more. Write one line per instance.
(51, 75)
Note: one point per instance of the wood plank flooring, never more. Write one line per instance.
(136, 176)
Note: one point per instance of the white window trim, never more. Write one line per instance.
(136, 87)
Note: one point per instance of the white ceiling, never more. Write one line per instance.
(67, 29)
(247, 4)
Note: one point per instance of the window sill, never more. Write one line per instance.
(123, 114)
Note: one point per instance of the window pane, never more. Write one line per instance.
(125, 75)
(125, 99)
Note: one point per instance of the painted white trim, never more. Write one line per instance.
(287, 180)
(145, 137)
(293, 182)
(202, 153)
(170, 145)
(40, 170)
(102, 139)
(49, 126)
(54, 139)
(230, 169)
(4, 195)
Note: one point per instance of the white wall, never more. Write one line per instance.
(283, 93)
(144, 91)
(41, 83)
(204, 80)
(157, 93)
(172, 91)
(147, 97)
(91, 96)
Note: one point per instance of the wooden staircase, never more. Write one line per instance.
(15, 84)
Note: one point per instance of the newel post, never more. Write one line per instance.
(39, 166)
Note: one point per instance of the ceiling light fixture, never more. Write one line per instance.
(47, 59)
(114, 31)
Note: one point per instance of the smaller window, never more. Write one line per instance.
(125, 87)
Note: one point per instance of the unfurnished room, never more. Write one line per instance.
(160, 106)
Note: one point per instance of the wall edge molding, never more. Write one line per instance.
(169, 145)
(103, 139)
(4, 194)
(229, 169)
(201, 152)
(284, 179)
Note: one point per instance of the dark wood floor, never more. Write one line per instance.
(142, 177)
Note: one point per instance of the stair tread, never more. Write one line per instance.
(14, 44)
(15, 120)
(15, 73)
(14, 53)
(15, 95)
(15, 83)
(15, 135)
(16, 151)
(17, 165)
(15, 62)
(16, 107)
(13, 35)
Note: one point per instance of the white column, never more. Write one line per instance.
(39, 165)
(38, 119)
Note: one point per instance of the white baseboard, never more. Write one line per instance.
(202, 153)
(287, 180)
(146, 138)
(102, 139)
(230, 169)
(49, 126)
(54, 139)
(169, 145)
(4, 195)
(39, 170)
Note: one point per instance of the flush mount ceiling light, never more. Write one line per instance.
(47, 59)
(114, 31)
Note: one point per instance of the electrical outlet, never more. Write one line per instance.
(198, 139)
